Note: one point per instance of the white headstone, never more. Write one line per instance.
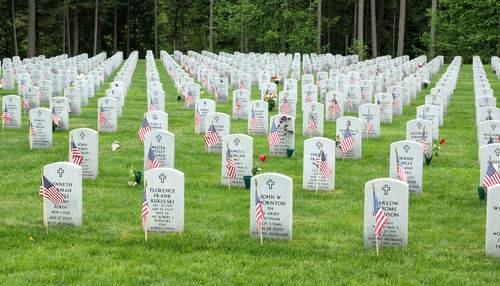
(12, 105)
(241, 100)
(163, 145)
(60, 106)
(492, 218)
(204, 107)
(41, 121)
(410, 157)
(158, 120)
(313, 119)
(370, 113)
(257, 117)
(355, 129)
(384, 101)
(222, 125)
(107, 105)
(241, 151)
(74, 98)
(312, 175)
(431, 113)
(285, 125)
(87, 142)
(334, 107)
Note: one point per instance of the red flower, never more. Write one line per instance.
(262, 158)
(441, 142)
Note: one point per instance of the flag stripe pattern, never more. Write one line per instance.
(274, 136)
(6, 116)
(333, 107)
(401, 171)
(285, 106)
(145, 128)
(369, 125)
(102, 117)
(152, 162)
(55, 118)
(76, 156)
(145, 209)
(378, 213)
(255, 120)
(259, 213)
(231, 168)
(312, 124)
(49, 191)
(322, 164)
(197, 119)
(211, 137)
(151, 105)
(346, 143)
(491, 177)
(422, 142)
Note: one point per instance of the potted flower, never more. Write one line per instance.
(255, 170)
(288, 134)
(426, 83)
(435, 152)
(270, 98)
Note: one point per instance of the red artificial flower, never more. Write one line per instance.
(441, 142)
(274, 77)
(262, 158)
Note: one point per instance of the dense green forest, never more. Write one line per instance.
(369, 27)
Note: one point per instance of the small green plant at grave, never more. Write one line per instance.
(360, 49)
(435, 152)
(256, 169)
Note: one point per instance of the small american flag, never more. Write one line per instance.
(189, 99)
(69, 108)
(3, 82)
(145, 128)
(378, 213)
(211, 137)
(152, 162)
(197, 119)
(394, 101)
(490, 141)
(6, 116)
(255, 120)
(349, 100)
(401, 170)
(346, 143)
(308, 97)
(242, 86)
(274, 136)
(40, 93)
(380, 105)
(423, 143)
(21, 87)
(32, 133)
(145, 209)
(231, 169)
(322, 164)
(76, 156)
(26, 104)
(285, 106)
(55, 118)
(237, 105)
(491, 177)
(362, 95)
(333, 107)
(151, 105)
(216, 94)
(259, 213)
(49, 191)
(312, 123)
(102, 117)
(369, 124)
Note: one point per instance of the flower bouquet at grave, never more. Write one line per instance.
(115, 146)
(288, 134)
(134, 177)
(426, 83)
(255, 170)
(435, 152)
(271, 100)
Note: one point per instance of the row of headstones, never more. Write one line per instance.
(61, 107)
(487, 121)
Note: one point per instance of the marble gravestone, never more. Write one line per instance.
(107, 105)
(290, 98)
(163, 145)
(370, 112)
(488, 132)
(332, 99)
(222, 125)
(32, 95)
(355, 128)
(384, 101)
(41, 121)
(393, 196)
(157, 97)
(414, 130)
(397, 94)
(45, 87)
(87, 141)
(67, 178)
(490, 152)
(483, 101)
(287, 138)
(241, 150)
(221, 90)
(312, 176)
(431, 113)
(60, 106)
(118, 95)
(165, 196)
(74, 99)
(158, 120)
(82, 86)
(258, 109)
(192, 89)
(9, 79)
(309, 94)
(313, 119)
(241, 100)
(410, 156)
(487, 113)
(204, 107)
(12, 105)
(352, 92)
(492, 245)
(275, 192)
(438, 101)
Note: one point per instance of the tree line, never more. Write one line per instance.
(369, 28)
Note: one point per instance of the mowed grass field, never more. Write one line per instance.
(446, 229)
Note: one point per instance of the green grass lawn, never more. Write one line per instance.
(446, 229)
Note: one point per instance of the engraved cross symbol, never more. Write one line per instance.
(419, 125)
(270, 183)
(257, 104)
(497, 151)
(216, 118)
(61, 172)
(162, 178)
(319, 145)
(406, 147)
(236, 141)
(82, 135)
(106, 101)
(158, 138)
(427, 109)
(493, 126)
(386, 189)
(312, 108)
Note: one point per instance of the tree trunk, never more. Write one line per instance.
(182, 27)
(211, 25)
(346, 44)
(401, 27)
(360, 28)
(156, 29)
(75, 31)
(128, 28)
(355, 22)
(68, 30)
(394, 28)
(432, 52)
(374, 29)
(115, 34)
(187, 38)
(318, 43)
(174, 42)
(380, 25)
(64, 29)
(99, 37)
(95, 26)
(14, 33)
(31, 28)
